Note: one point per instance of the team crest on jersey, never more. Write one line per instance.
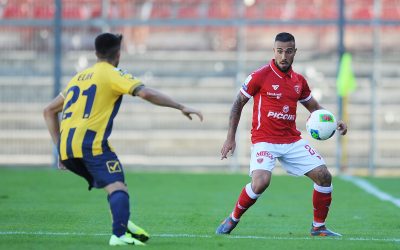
(260, 160)
(113, 167)
(275, 86)
(297, 89)
(285, 109)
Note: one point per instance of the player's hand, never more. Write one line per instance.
(188, 112)
(342, 127)
(229, 145)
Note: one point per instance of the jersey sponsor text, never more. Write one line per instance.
(281, 116)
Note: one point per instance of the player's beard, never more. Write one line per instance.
(287, 66)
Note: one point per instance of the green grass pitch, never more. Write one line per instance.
(52, 209)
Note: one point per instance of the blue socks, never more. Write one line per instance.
(119, 205)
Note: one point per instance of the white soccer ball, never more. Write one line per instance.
(321, 124)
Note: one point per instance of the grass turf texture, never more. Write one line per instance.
(51, 209)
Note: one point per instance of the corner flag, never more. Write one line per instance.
(345, 82)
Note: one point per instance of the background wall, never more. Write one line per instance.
(199, 52)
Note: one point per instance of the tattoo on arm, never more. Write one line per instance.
(235, 114)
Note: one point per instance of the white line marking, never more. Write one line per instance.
(42, 233)
(371, 189)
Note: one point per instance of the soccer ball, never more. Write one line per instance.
(321, 124)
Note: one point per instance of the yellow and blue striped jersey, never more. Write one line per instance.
(92, 100)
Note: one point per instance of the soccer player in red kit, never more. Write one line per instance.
(276, 89)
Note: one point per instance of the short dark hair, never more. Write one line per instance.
(107, 45)
(284, 37)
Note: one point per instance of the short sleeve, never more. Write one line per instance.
(251, 86)
(306, 92)
(123, 82)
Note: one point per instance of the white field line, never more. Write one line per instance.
(371, 189)
(43, 233)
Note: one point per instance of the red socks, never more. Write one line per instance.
(322, 197)
(246, 199)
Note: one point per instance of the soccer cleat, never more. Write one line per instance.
(226, 226)
(125, 239)
(322, 231)
(137, 232)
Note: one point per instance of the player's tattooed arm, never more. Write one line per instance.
(234, 118)
(236, 112)
(312, 105)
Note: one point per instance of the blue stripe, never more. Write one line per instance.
(87, 144)
(108, 130)
(70, 153)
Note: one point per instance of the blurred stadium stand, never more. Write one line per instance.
(197, 65)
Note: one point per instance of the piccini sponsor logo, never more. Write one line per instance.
(281, 116)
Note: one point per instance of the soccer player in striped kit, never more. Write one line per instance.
(276, 89)
(89, 104)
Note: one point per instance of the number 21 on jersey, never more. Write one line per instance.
(76, 91)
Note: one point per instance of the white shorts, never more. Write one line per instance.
(296, 158)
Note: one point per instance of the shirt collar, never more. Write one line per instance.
(278, 72)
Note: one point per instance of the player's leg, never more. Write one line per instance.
(322, 193)
(322, 198)
(108, 174)
(247, 198)
(118, 204)
(301, 159)
(260, 169)
(77, 166)
(118, 199)
(123, 228)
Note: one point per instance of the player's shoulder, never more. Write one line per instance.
(106, 68)
(266, 69)
(260, 73)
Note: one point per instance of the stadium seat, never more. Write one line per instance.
(44, 12)
(221, 9)
(390, 10)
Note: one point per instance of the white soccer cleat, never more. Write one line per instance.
(123, 240)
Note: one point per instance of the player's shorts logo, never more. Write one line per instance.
(113, 167)
(264, 154)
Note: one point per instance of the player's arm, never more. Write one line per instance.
(312, 105)
(234, 118)
(50, 114)
(161, 99)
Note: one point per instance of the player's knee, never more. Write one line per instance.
(259, 187)
(260, 182)
(321, 176)
(325, 179)
(115, 186)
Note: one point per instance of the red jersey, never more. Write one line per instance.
(275, 96)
